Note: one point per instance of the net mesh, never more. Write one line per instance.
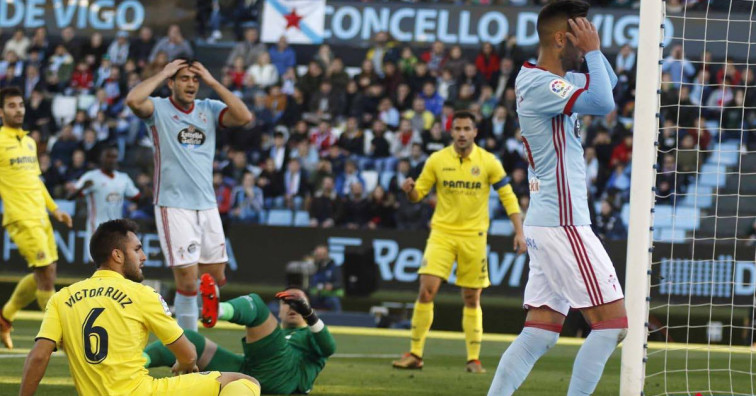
(703, 263)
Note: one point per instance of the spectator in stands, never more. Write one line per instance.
(383, 50)
(322, 138)
(488, 62)
(237, 166)
(416, 159)
(411, 216)
(498, 127)
(387, 113)
(403, 98)
(32, 81)
(50, 175)
(619, 181)
(379, 149)
(325, 103)
(625, 61)
(401, 143)
(174, 45)
(71, 43)
(391, 77)
(141, 48)
(352, 140)
(337, 159)
(435, 139)
(11, 70)
(455, 63)
(263, 73)
(435, 57)
(282, 56)
(447, 85)
(420, 118)
(591, 170)
(79, 124)
(487, 101)
(382, 209)
(39, 43)
(39, 115)
(118, 51)
(355, 208)
(609, 224)
(64, 146)
(77, 168)
(324, 205)
(271, 182)
(144, 208)
(326, 284)
(622, 152)
(60, 67)
(433, 101)
(222, 196)
(350, 176)
(93, 51)
(324, 56)
(420, 77)
(91, 147)
(306, 155)
(296, 188)
(505, 78)
(336, 74)
(18, 43)
(470, 76)
(82, 80)
(247, 200)
(666, 181)
(680, 69)
(249, 49)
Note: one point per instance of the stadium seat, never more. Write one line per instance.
(662, 216)
(501, 227)
(386, 179)
(712, 179)
(66, 206)
(85, 101)
(64, 109)
(280, 217)
(698, 196)
(301, 219)
(674, 235)
(624, 214)
(371, 180)
(686, 218)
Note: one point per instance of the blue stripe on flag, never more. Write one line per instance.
(283, 10)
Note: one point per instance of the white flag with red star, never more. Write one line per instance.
(300, 21)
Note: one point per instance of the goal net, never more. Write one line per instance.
(698, 279)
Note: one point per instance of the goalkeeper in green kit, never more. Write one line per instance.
(285, 358)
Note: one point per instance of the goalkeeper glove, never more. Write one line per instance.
(300, 305)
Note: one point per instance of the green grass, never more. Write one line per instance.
(362, 367)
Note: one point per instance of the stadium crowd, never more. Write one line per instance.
(338, 142)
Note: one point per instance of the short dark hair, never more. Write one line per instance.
(9, 92)
(560, 10)
(189, 62)
(462, 114)
(108, 236)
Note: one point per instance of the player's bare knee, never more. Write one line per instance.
(471, 297)
(45, 277)
(426, 294)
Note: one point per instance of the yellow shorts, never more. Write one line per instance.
(470, 253)
(35, 241)
(196, 384)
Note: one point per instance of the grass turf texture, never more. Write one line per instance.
(362, 366)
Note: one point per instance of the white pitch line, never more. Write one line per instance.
(365, 355)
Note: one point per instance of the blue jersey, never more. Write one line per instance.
(550, 133)
(105, 196)
(184, 150)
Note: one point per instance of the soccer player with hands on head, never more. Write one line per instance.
(183, 130)
(463, 175)
(569, 267)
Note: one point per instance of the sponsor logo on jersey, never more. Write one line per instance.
(23, 160)
(561, 88)
(535, 185)
(475, 171)
(461, 184)
(191, 137)
(448, 169)
(113, 198)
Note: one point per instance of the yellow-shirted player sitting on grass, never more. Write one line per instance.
(25, 204)
(103, 323)
(463, 175)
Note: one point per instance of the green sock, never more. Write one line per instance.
(147, 358)
(225, 311)
(158, 355)
(249, 310)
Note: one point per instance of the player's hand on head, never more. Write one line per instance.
(520, 246)
(298, 303)
(201, 71)
(584, 35)
(173, 67)
(408, 185)
(63, 217)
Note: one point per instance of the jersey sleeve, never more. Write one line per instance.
(51, 327)
(131, 190)
(218, 109)
(157, 316)
(499, 180)
(82, 180)
(323, 343)
(427, 178)
(551, 95)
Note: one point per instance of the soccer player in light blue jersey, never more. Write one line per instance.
(183, 130)
(569, 267)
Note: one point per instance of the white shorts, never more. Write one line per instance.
(568, 268)
(190, 236)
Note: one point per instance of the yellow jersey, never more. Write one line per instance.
(463, 186)
(103, 324)
(23, 193)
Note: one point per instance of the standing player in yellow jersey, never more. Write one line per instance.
(463, 175)
(103, 324)
(25, 198)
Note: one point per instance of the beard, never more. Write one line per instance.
(133, 273)
(570, 58)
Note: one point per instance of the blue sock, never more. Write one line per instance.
(519, 359)
(186, 311)
(591, 359)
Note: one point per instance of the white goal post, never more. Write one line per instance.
(646, 128)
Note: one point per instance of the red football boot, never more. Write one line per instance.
(210, 300)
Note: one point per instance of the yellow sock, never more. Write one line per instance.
(240, 387)
(422, 318)
(472, 324)
(22, 296)
(43, 296)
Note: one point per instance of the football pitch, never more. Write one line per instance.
(362, 366)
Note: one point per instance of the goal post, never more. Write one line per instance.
(639, 245)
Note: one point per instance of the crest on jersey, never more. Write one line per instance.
(191, 137)
(561, 88)
(475, 171)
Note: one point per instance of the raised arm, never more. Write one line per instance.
(36, 365)
(598, 98)
(138, 98)
(237, 114)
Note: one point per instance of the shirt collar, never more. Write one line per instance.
(107, 274)
(14, 132)
(457, 156)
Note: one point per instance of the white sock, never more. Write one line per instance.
(591, 359)
(519, 359)
(186, 311)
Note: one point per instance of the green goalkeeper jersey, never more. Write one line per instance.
(288, 360)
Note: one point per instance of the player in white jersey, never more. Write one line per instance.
(569, 267)
(183, 130)
(105, 189)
